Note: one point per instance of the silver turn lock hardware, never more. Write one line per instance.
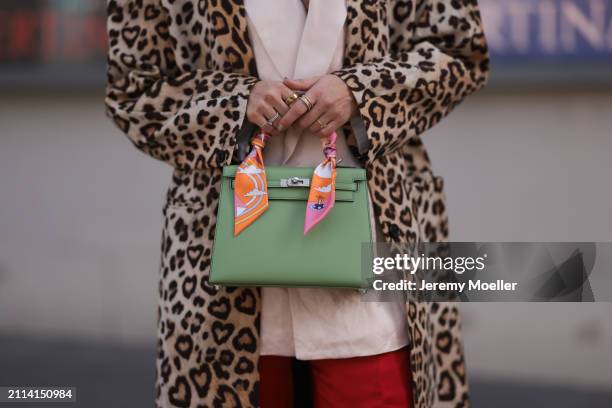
(295, 182)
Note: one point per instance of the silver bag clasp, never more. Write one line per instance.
(295, 182)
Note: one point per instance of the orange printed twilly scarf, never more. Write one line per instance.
(251, 187)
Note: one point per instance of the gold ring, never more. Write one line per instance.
(321, 124)
(291, 98)
(306, 101)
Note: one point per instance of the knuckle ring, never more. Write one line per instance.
(306, 101)
(321, 124)
(273, 119)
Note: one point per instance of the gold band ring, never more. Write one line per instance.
(306, 101)
(291, 98)
(321, 124)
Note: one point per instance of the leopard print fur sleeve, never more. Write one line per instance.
(168, 107)
(437, 56)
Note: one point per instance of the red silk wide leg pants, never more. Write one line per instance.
(382, 380)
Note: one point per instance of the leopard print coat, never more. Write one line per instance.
(179, 76)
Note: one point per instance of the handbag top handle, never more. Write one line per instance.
(251, 186)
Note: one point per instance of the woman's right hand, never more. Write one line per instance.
(267, 98)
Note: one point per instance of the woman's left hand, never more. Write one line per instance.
(333, 105)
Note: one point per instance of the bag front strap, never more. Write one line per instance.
(251, 186)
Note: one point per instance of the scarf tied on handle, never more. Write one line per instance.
(251, 186)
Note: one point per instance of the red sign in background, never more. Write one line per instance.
(63, 42)
(40, 32)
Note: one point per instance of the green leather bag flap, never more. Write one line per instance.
(347, 182)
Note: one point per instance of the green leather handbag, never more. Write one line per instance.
(274, 251)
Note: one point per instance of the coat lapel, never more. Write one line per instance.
(298, 45)
(279, 26)
(320, 38)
